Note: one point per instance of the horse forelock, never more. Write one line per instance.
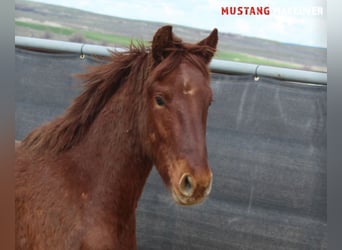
(179, 52)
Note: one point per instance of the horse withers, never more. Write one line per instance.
(79, 177)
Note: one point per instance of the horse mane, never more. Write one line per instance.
(102, 81)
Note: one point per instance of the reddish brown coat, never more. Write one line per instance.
(79, 177)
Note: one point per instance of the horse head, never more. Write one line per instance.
(178, 99)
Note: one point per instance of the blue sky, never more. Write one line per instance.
(289, 21)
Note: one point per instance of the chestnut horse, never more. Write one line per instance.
(79, 177)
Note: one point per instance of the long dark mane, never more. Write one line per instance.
(102, 81)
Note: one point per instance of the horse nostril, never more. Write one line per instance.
(186, 185)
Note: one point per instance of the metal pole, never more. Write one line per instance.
(217, 66)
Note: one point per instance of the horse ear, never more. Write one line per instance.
(210, 41)
(162, 40)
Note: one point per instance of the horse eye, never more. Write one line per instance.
(160, 101)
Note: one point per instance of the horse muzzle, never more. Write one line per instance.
(191, 190)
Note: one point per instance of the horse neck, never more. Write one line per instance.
(112, 156)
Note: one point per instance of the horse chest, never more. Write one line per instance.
(114, 237)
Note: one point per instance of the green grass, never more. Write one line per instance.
(41, 27)
(108, 38)
(95, 36)
(241, 57)
(126, 41)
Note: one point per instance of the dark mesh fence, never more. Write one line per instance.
(267, 149)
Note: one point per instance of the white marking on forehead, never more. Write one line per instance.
(187, 90)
